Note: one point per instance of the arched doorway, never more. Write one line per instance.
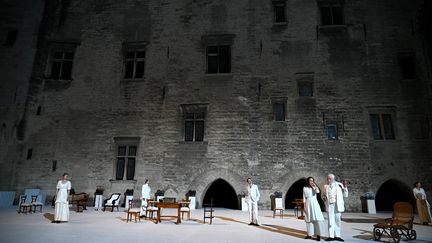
(390, 192)
(223, 194)
(296, 192)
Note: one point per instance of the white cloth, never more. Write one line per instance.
(313, 215)
(98, 201)
(61, 203)
(312, 208)
(334, 221)
(335, 209)
(145, 194)
(419, 193)
(253, 197)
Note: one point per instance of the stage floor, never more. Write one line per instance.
(228, 226)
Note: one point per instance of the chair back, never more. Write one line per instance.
(403, 214)
(34, 198)
(130, 205)
(22, 199)
(114, 198)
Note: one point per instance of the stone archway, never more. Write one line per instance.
(392, 191)
(294, 192)
(222, 194)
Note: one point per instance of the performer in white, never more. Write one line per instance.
(252, 198)
(423, 206)
(313, 215)
(333, 195)
(61, 202)
(145, 196)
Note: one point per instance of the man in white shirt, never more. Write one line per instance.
(333, 196)
(145, 196)
(253, 196)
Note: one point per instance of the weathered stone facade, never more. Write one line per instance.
(354, 69)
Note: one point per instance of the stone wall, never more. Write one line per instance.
(354, 69)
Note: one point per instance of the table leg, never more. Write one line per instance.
(158, 216)
(178, 216)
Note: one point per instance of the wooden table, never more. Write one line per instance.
(298, 203)
(160, 205)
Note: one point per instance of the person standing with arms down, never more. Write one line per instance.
(313, 215)
(98, 197)
(61, 202)
(252, 198)
(423, 206)
(333, 196)
(145, 196)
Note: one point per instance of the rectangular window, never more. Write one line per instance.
(279, 12)
(331, 15)
(218, 59)
(126, 158)
(332, 132)
(61, 65)
(305, 89)
(419, 127)
(382, 126)
(407, 67)
(134, 64)
(10, 38)
(279, 111)
(194, 126)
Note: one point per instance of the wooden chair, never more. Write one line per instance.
(24, 207)
(208, 211)
(34, 203)
(151, 209)
(112, 202)
(400, 224)
(132, 212)
(184, 208)
(81, 200)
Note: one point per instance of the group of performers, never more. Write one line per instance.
(333, 196)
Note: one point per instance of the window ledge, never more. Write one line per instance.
(132, 80)
(123, 181)
(280, 23)
(191, 142)
(58, 80)
(218, 76)
(333, 26)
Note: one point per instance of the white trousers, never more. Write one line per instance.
(316, 225)
(98, 201)
(334, 221)
(253, 211)
(143, 209)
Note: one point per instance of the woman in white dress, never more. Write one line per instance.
(423, 206)
(62, 203)
(313, 216)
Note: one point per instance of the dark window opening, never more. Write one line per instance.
(419, 128)
(11, 38)
(332, 132)
(134, 64)
(331, 15)
(39, 110)
(407, 66)
(29, 153)
(382, 126)
(62, 65)
(194, 126)
(279, 111)
(126, 159)
(305, 89)
(218, 59)
(279, 11)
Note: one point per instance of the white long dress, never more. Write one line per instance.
(145, 193)
(61, 203)
(312, 208)
(313, 215)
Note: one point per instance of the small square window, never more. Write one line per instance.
(218, 59)
(305, 89)
(407, 67)
(10, 38)
(279, 11)
(331, 15)
(332, 132)
(279, 111)
(382, 126)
